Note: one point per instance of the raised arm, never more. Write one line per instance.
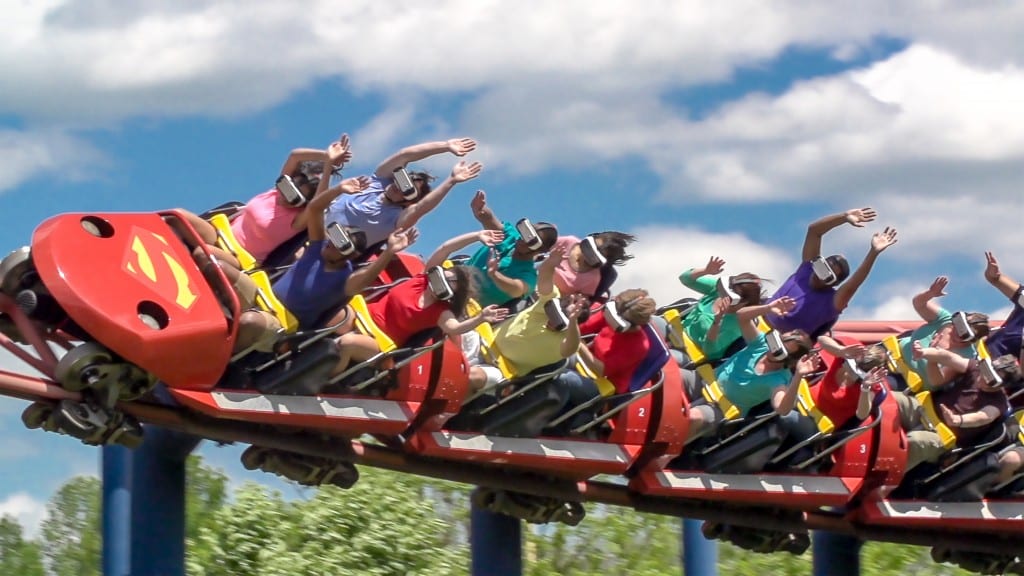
(457, 146)
(943, 365)
(452, 326)
(1008, 286)
(362, 278)
(483, 213)
(879, 242)
(337, 154)
(857, 217)
(514, 287)
(460, 173)
(693, 278)
(835, 348)
(487, 237)
(318, 205)
(875, 376)
(571, 343)
(784, 399)
(924, 303)
(546, 270)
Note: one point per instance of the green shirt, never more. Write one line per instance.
(924, 334)
(489, 293)
(697, 322)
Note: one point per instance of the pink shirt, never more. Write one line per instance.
(568, 280)
(263, 224)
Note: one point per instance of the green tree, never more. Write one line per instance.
(71, 531)
(18, 556)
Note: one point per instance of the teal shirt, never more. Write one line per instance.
(489, 293)
(742, 385)
(697, 322)
(924, 334)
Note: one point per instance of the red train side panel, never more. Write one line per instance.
(110, 271)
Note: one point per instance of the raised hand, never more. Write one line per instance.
(478, 203)
(721, 305)
(917, 350)
(882, 240)
(938, 287)
(492, 262)
(807, 364)
(577, 304)
(782, 306)
(401, 239)
(463, 171)
(874, 376)
(490, 238)
(858, 217)
(353, 185)
(714, 266)
(853, 351)
(339, 152)
(992, 272)
(461, 146)
(493, 314)
(554, 258)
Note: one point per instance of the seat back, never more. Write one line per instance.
(487, 346)
(226, 241)
(608, 277)
(655, 359)
(807, 407)
(712, 390)
(268, 301)
(899, 365)
(932, 420)
(365, 324)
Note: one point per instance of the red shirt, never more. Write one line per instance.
(621, 352)
(837, 402)
(399, 314)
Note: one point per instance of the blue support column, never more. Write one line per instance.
(835, 554)
(158, 503)
(700, 555)
(117, 509)
(496, 544)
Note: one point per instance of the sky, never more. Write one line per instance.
(704, 128)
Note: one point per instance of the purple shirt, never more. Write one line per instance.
(309, 291)
(1007, 339)
(815, 309)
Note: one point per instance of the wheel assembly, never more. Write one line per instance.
(13, 269)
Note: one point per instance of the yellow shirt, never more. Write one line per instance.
(525, 341)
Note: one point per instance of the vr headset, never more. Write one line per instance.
(438, 284)
(529, 234)
(823, 271)
(725, 291)
(854, 369)
(405, 184)
(289, 191)
(591, 255)
(614, 318)
(776, 346)
(989, 373)
(557, 319)
(964, 330)
(340, 239)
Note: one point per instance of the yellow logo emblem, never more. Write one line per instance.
(166, 276)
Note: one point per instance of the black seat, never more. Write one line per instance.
(301, 373)
(744, 446)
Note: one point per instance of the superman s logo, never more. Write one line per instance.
(149, 259)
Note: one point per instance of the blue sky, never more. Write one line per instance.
(703, 129)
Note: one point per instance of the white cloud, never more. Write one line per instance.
(54, 153)
(28, 511)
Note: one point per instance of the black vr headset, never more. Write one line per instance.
(438, 284)
(340, 239)
(290, 192)
(405, 185)
(823, 271)
(557, 319)
(591, 255)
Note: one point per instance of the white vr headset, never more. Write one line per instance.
(989, 373)
(340, 239)
(964, 330)
(438, 284)
(614, 318)
(725, 291)
(405, 184)
(591, 255)
(823, 271)
(289, 191)
(556, 316)
(529, 234)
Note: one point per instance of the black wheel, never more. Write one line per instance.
(36, 414)
(13, 269)
(72, 418)
(131, 434)
(573, 514)
(483, 498)
(343, 475)
(712, 530)
(254, 458)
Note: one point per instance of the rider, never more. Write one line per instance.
(818, 286)
(711, 324)
(938, 332)
(1007, 339)
(968, 405)
(268, 220)
(414, 305)
(588, 264)
(508, 267)
(382, 207)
